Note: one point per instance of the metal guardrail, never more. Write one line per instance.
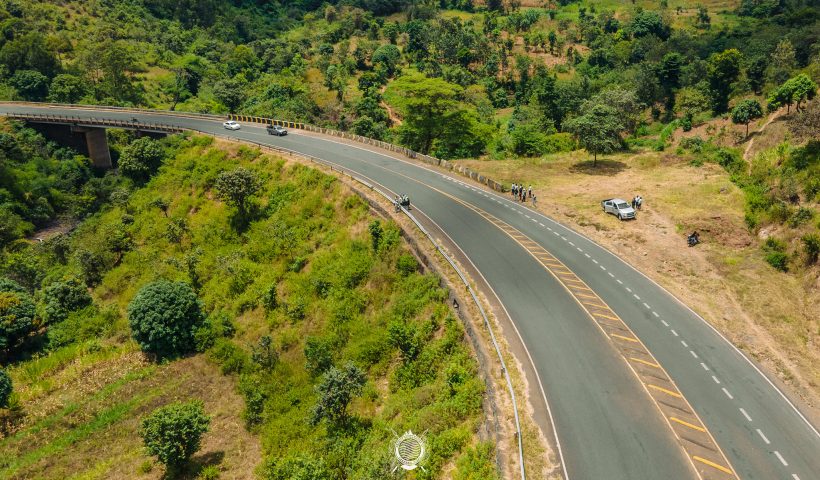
(94, 122)
(497, 186)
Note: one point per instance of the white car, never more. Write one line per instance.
(231, 125)
(619, 208)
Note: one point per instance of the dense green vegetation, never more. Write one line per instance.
(464, 78)
(331, 331)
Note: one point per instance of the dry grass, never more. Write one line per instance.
(84, 423)
(769, 314)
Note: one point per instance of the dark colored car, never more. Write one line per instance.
(276, 130)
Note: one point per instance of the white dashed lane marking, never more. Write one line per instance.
(628, 289)
(587, 255)
(539, 223)
(646, 305)
(716, 379)
(636, 296)
(705, 367)
(683, 342)
(693, 353)
(664, 323)
(780, 457)
(594, 261)
(748, 418)
(760, 432)
(603, 268)
(674, 333)
(572, 244)
(656, 314)
(610, 274)
(619, 282)
(728, 394)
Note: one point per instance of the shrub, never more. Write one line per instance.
(141, 158)
(6, 388)
(163, 316)
(17, 314)
(337, 389)
(173, 433)
(63, 297)
(302, 467)
(237, 187)
(318, 355)
(477, 463)
(264, 354)
(776, 256)
(230, 357)
(800, 216)
(811, 246)
(406, 264)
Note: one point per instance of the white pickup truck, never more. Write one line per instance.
(619, 208)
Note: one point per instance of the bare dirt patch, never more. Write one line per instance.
(769, 314)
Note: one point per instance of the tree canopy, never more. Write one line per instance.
(598, 130)
(163, 316)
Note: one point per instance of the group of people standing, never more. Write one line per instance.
(522, 193)
(637, 201)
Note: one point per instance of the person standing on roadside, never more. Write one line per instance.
(639, 202)
(534, 198)
(530, 191)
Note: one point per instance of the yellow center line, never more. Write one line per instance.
(628, 339)
(687, 424)
(661, 389)
(644, 362)
(713, 465)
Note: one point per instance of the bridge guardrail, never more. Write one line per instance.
(95, 122)
(464, 171)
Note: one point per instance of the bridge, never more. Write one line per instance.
(93, 130)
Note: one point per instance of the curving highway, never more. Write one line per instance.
(639, 386)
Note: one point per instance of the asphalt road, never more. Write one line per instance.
(608, 427)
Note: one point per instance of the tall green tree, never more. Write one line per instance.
(746, 111)
(598, 130)
(424, 104)
(141, 158)
(30, 84)
(67, 88)
(722, 71)
(29, 52)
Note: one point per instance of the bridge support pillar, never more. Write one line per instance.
(97, 143)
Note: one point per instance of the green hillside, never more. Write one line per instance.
(298, 283)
